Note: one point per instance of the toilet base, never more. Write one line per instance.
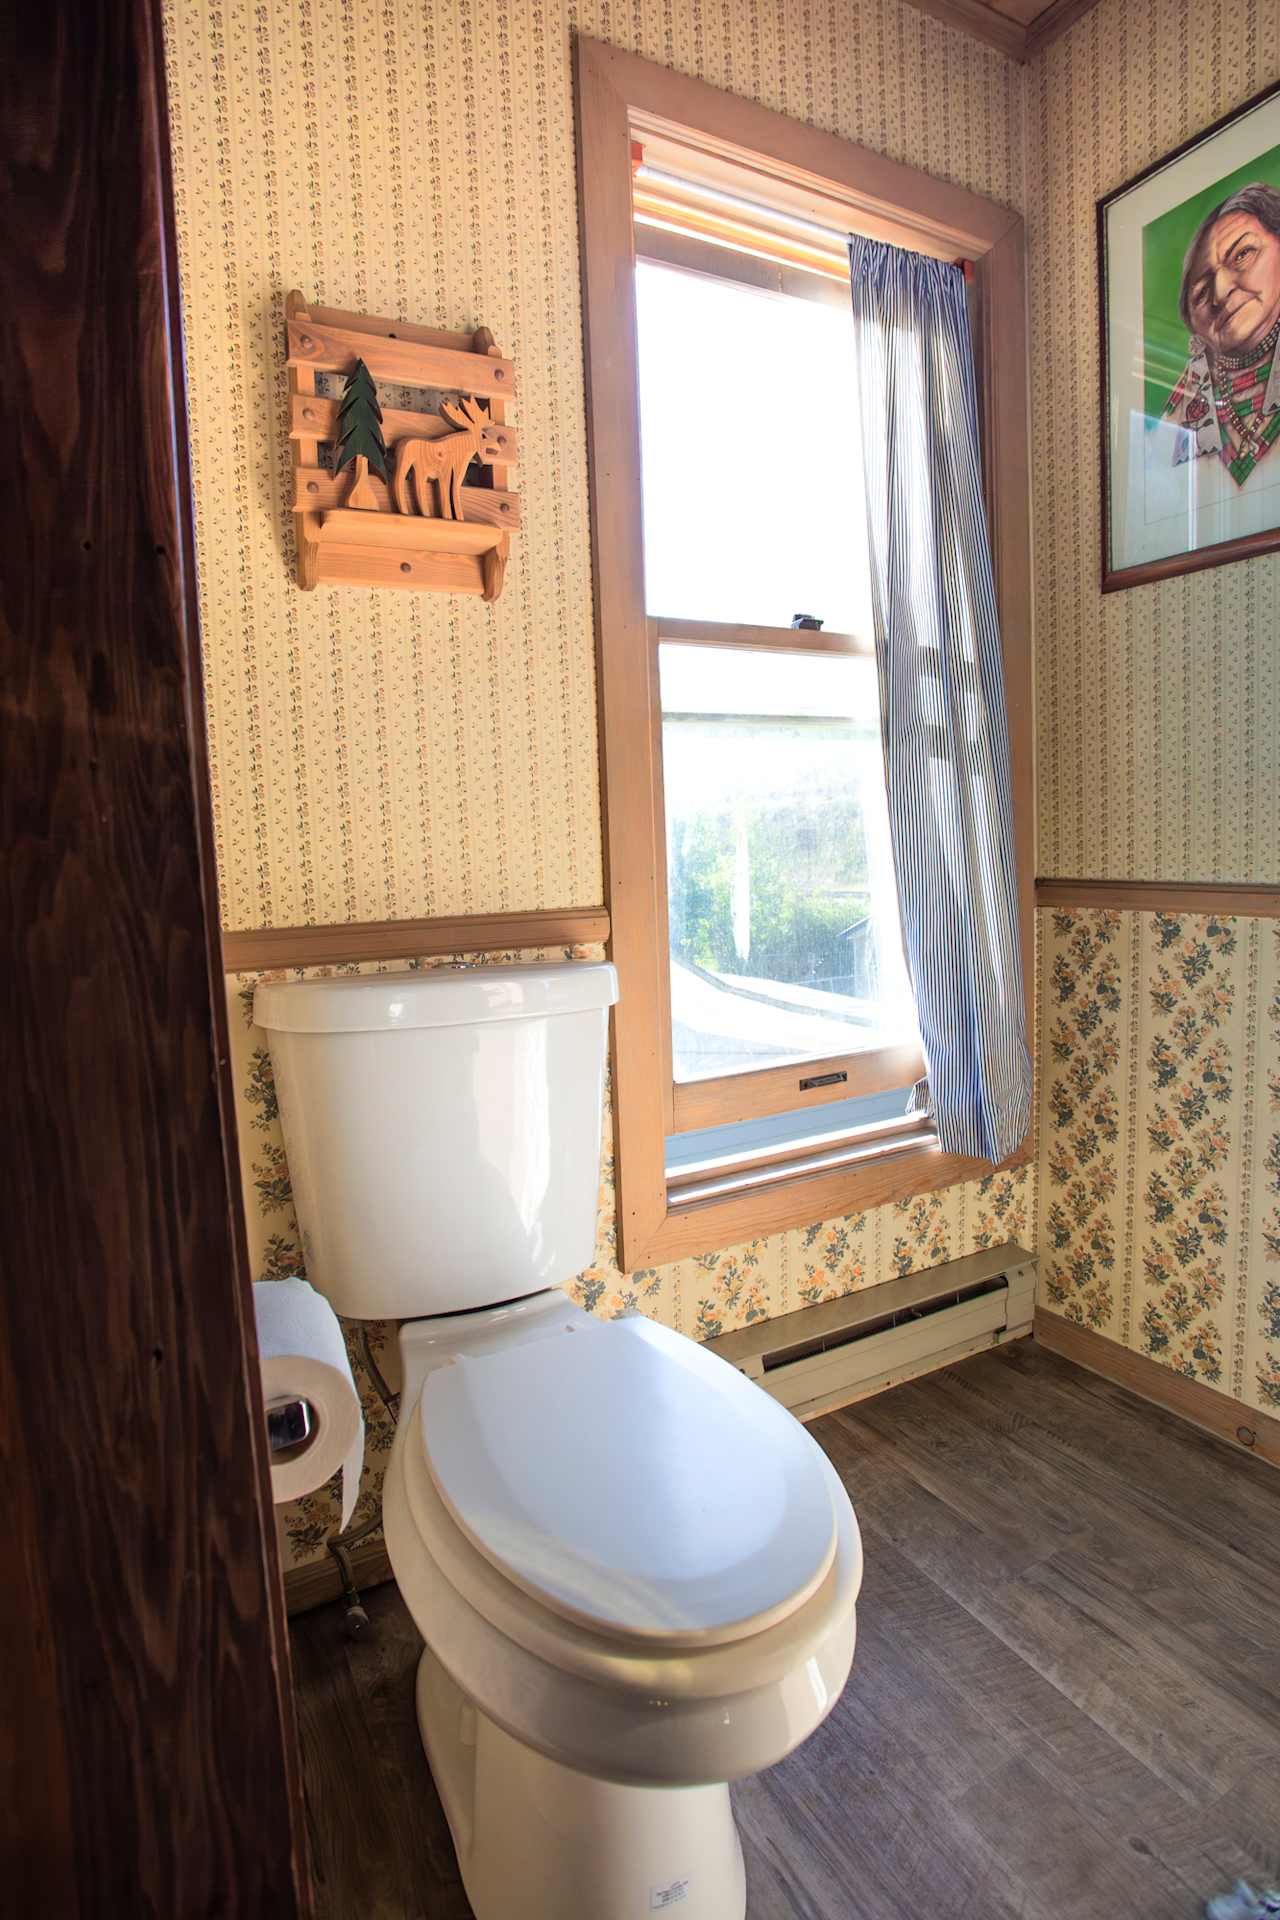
(537, 1841)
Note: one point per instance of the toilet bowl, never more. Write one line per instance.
(634, 1572)
(591, 1674)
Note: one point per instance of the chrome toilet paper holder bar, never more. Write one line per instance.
(290, 1425)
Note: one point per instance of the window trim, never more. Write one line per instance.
(852, 1150)
(724, 1100)
(661, 247)
(621, 98)
(667, 209)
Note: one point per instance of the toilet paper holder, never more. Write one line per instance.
(290, 1425)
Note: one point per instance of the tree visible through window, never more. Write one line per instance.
(781, 904)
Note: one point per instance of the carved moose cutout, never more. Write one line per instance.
(444, 460)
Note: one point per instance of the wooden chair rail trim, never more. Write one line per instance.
(256, 948)
(1243, 1427)
(1162, 896)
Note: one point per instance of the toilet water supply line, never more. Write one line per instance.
(340, 1546)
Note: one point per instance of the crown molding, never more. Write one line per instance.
(1010, 37)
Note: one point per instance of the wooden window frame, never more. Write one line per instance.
(620, 99)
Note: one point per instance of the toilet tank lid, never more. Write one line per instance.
(434, 997)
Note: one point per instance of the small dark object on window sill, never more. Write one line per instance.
(807, 622)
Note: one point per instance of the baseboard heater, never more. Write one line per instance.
(826, 1356)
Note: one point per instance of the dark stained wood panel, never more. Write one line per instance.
(147, 1746)
(1065, 1702)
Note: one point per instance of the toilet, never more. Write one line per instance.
(634, 1571)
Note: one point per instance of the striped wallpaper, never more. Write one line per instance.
(1159, 707)
(380, 755)
(1159, 758)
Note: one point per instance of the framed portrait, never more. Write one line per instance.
(1189, 276)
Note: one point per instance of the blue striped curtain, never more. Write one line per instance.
(942, 705)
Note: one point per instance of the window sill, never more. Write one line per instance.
(784, 1195)
(746, 1173)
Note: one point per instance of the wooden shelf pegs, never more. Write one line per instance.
(392, 508)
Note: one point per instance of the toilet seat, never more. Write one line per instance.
(631, 1484)
(633, 1710)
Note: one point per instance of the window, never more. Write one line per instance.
(765, 1039)
(784, 948)
(782, 914)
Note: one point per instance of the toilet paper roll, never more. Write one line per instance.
(304, 1357)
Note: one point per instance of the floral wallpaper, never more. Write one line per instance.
(1160, 1139)
(702, 1296)
(1159, 1180)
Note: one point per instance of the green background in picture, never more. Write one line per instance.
(1164, 245)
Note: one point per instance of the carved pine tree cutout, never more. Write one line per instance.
(430, 479)
(360, 441)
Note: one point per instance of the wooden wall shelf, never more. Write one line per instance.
(415, 529)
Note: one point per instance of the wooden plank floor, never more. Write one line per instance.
(1065, 1703)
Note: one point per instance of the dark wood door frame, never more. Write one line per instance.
(148, 1755)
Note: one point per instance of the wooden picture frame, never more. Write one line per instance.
(1167, 478)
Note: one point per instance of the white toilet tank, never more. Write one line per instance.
(442, 1130)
